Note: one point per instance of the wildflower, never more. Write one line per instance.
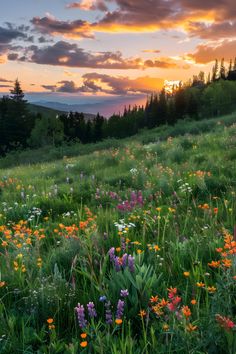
(124, 260)
(118, 249)
(2, 284)
(219, 250)
(215, 210)
(186, 274)
(102, 298)
(91, 310)
(193, 302)
(108, 313)
(225, 322)
(227, 262)
(84, 344)
(118, 321)
(131, 263)
(50, 320)
(156, 248)
(176, 300)
(211, 289)
(214, 264)
(191, 328)
(172, 292)
(165, 327)
(81, 315)
(83, 335)
(142, 313)
(200, 284)
(124, 293)
(186, 311)
(154, 299)
(117, 264)
(120, 309)
(112, 253)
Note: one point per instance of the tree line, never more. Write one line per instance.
(199, 98)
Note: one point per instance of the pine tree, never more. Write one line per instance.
(234, 64)
(215, 71)
(222, 69)
(16, 93)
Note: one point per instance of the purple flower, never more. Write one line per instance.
(131, 263)
(117, 264)
(124, 293)
(120, 309)
(91, 310)
(81, 316)
(124, 260)
(108, 313)
(111, 253)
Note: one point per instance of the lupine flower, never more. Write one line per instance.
(124, 293)
(81, 315)
(124, 260)
(112, 253)
(108, 314)
(131, 263)
(120, 309)
(91, 310)
(117, 264)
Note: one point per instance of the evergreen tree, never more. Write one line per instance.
(215, 71)
(222, 70)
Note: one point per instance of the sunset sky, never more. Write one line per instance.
(111, 48)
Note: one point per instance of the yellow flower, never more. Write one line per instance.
(186, 274)
(139, 251)
(165, 327)
(200, 284)
(211, 289)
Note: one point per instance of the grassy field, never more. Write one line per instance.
(121, 247)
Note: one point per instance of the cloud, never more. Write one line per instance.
(213, 31)
(5, 80)
(88, 5)
(151, 51)
(7, 35)
(69, 29)
(115, 85)
(206, 53)
(70, 55)
(5, 86)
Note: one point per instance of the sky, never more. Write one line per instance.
(101, 50)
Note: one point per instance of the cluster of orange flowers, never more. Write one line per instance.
(8, 182)
(226, 252)
(206, 206)
(73, 230)
(200, 174)
(19, 234)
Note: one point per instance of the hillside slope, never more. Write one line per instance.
(127, 249)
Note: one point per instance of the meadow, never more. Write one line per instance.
(125, 246)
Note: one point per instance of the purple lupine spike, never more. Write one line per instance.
(91, 310)
(120, 309)
(111, 253)
(123, 244)
(117, 264)
(108, 313)
(131, 263)
(124, 260)
(81, 316)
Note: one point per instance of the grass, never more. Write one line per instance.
(153, 215)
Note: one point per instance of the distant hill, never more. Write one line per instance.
(58, 109)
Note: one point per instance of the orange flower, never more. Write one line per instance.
(50, 320)
(215, 210)
(214, 264)
(211, 289)
(154, 299)
(156, 248)
(165, 327)
(193, 302)
(186, 274)
(142, 313)
(200, 284)
(2, 284)
(227, 263)
(191, 328)
(83, 335)
(84, 344)
(186, 311)
(118, 321)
